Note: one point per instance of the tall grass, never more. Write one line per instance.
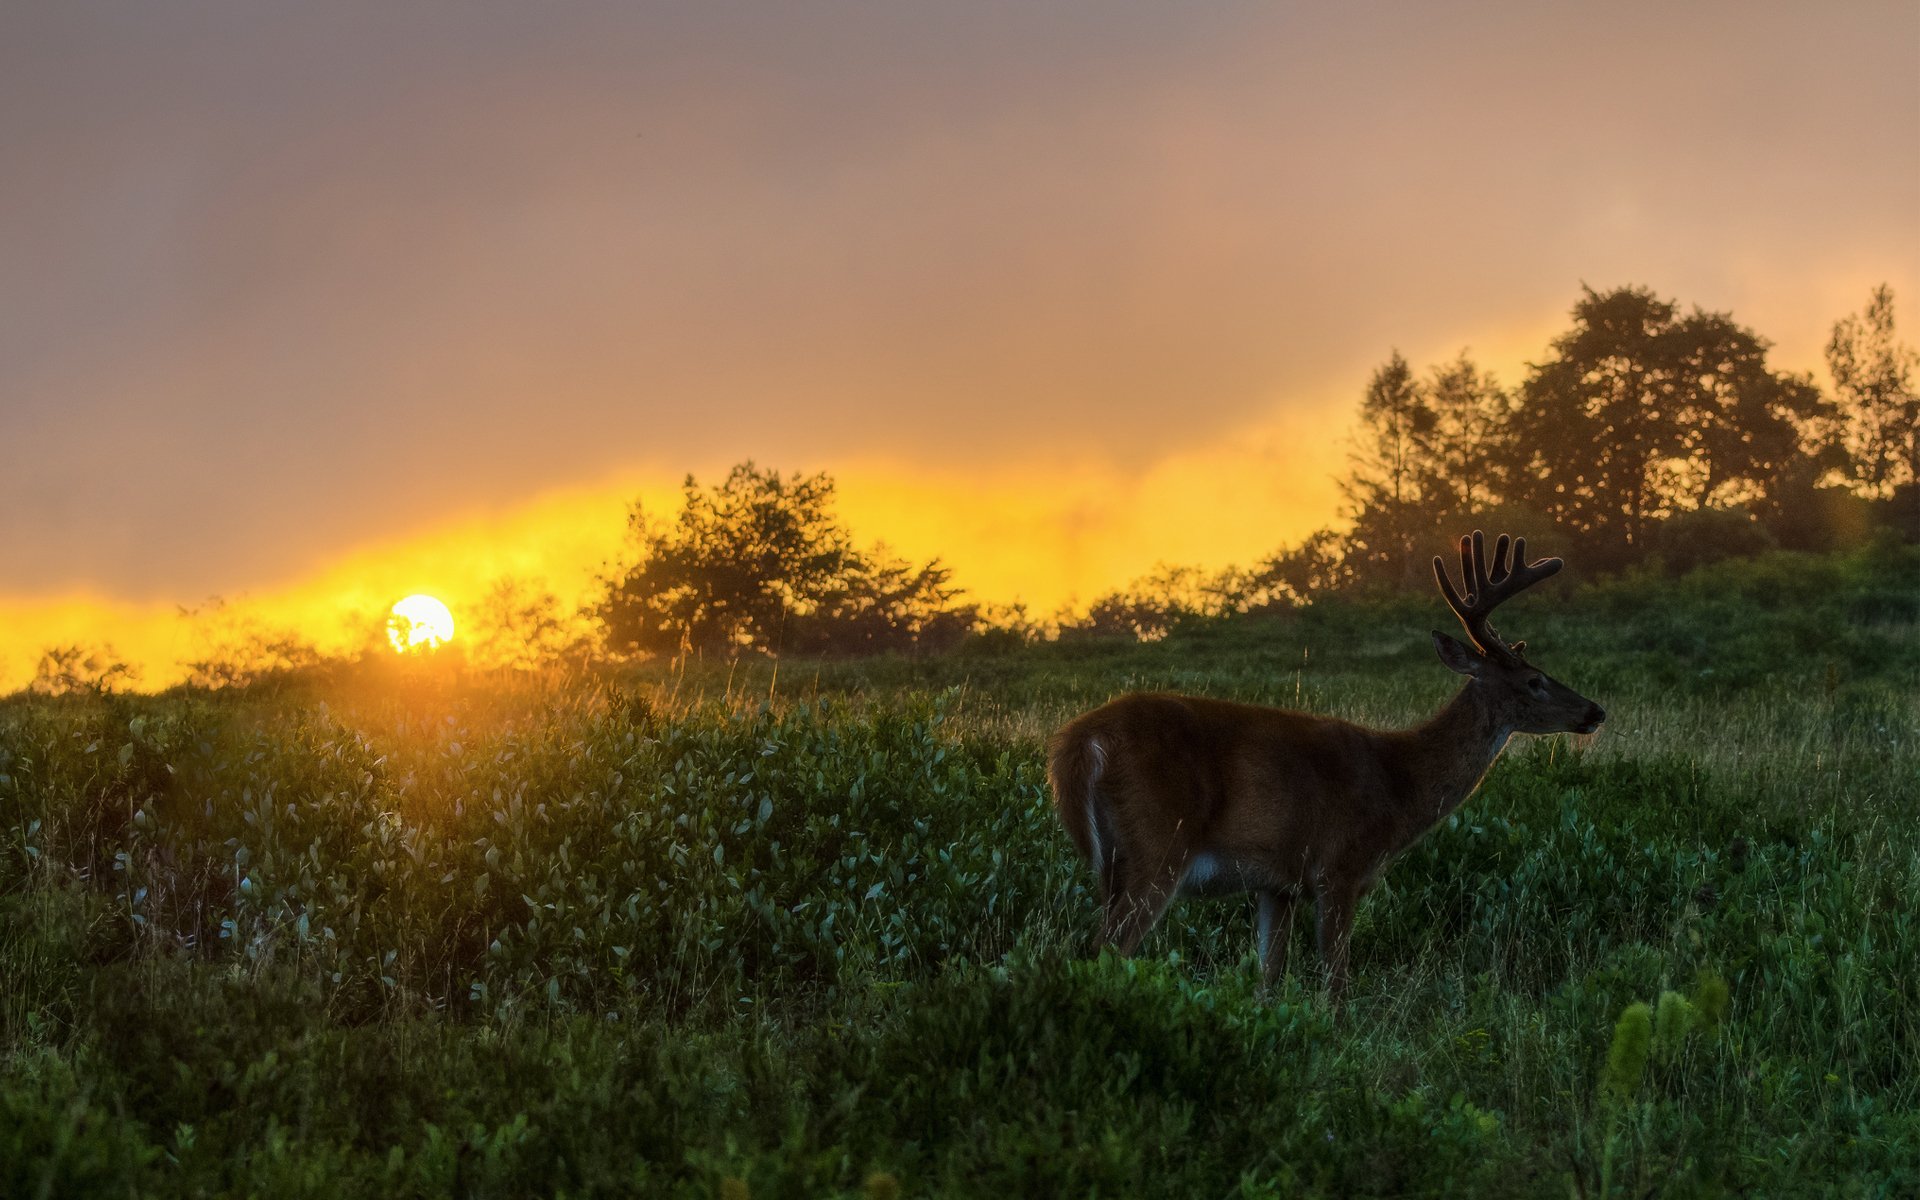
(714, 930)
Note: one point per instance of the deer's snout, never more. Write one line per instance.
(1591, 722)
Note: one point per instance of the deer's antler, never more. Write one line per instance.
(1486, 588)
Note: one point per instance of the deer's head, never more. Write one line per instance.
(1522, 696)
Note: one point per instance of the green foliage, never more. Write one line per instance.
(1627, 1054)
(1674, 1018)
(1710, 1001)
(821, 934)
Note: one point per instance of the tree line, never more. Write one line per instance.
(1644, 433)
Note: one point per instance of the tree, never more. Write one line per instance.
(1152, 606)
(518, 624)
(1594, 418)
(882, 604)
(1873, 376)
(1640, 413)
(758, 561)
(1391, 465)
(237, 650)
(64, 670)
(1470, 411)
(1296, 576)
(1741, 424)
(738, 558)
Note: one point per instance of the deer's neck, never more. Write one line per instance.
(1447, 755)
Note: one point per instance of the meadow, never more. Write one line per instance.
(810, 928)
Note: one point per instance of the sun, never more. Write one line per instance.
(418, 623)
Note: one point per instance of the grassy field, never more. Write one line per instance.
(736, 931)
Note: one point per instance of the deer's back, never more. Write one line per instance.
(1240, 777)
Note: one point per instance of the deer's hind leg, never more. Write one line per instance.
(1147, 868)
(1136, 905)
(1276, 925)
(1148, 814)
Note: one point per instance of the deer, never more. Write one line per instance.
(1168, 795)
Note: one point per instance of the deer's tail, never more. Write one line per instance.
(1076, 761)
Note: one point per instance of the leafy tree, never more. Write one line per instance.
(1429, 463)
(1595, 419)
(65, 670)
(1006, 627)
(236, 650)
(1392, 464)
(1151, 607)
(1873, 375)
(1470, 411)
(1640, 413)
(758, 560)
(1741, 424)
(739, 558)
(519, 624)
(1292, 577)
(880, 604)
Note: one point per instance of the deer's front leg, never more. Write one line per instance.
(1337, 903)
(1276, 923)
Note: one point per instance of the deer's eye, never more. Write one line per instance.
(1538, 685)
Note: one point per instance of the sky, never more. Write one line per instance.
(311, 306)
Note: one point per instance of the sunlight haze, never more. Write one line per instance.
(314, 307)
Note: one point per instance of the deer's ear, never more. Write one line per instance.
(1457, 657)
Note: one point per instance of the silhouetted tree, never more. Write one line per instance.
(1742, 424)
(1153, 606)
(1392, 462)
(1873, 376)
(237, 650)
(725, 573)
(65, 670)
(1640, 413)
(1006, 627)
(1292, 577)
(1470, 411)
(758, 560)
(519, 624)
(1594, 419)
(880, 604)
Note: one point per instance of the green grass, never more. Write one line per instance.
(390, 933)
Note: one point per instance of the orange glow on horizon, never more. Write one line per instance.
(1050, 536)
(1051, 532)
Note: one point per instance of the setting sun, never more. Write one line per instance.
(419, 622)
